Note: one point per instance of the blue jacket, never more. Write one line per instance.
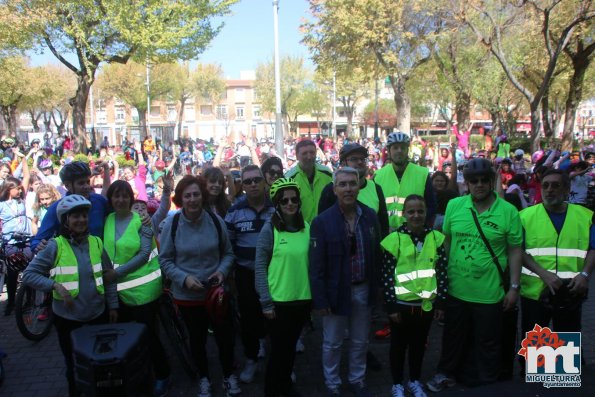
(330, 271)
(50, 224)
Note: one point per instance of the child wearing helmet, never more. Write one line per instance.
(75, 262)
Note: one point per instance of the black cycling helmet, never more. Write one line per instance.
(478, 167)
(346, 150)
(75, 170)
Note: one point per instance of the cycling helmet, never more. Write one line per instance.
(397, 137)
(75, 170)
(503, 138)
(69, 203)
(152, 206)
(282, 184)
(45, 163)
(346, 150)
(538, 155)
(506, 161)
(9, 141)
(17, 262)
(478, 167)
(498, 161)
(519, 152)
(160, 165)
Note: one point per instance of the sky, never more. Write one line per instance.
(247, 38)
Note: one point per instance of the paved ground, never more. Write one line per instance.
(37, 369)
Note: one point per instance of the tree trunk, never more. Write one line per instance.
(79, 108)
(181, 115)
(535, 130)
(403, 103)
(47, 121)
(9, 114)
(496, 120)
(142, 124)
(546, 116)
(34, 120)
(349, 131)
(575, 93)
(462, 110)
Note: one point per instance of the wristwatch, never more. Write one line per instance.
(585, 275)
(515, 286)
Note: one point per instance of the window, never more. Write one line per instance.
(120, 114)
(240, 95)
(172, 114)
(206, 110)
(256, 111)
(254, 95)
(221, 111)
(101, 117)
(189, 113)
(155, 111)
(239, 112)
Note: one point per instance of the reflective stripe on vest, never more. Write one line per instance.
(562, 254)
(142, 285)
(415, 272)
(396, 191)
(65, 270)
(288, 269)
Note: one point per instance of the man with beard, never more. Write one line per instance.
(401, 178)
(483, 237)
(559, 257)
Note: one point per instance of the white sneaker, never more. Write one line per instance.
(261, 350)
(247, 375)
(416, 389)
(299, 346)
(439, 382)
(397, 391)
(231, 386)
(204, 387)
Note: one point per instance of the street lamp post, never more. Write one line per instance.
(148, 84)
(334, 127)
(278, 121)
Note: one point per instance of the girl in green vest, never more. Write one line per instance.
(129, 242)
(281, 271)
(415, 279)
(75, 262)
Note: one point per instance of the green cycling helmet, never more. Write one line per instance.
(281, 184)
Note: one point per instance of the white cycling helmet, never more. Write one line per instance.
(69, 203)
(519, 152)
(397, 137)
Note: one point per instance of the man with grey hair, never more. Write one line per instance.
(344, 259)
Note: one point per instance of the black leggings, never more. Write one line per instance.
(197, 322)
(147, 314)
(251, 318)
(411, 334)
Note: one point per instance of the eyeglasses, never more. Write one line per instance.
(553, 185)
(275, 172)
(484, 181)
(252, 181)
(356, 159)
(286, 200)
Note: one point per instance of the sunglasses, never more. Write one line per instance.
(286, 200)
(252, 181)
(275, 173)
(553, 185)
(484, 181)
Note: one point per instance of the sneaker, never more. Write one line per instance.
(299, 346)
(161, 387)
(204, 387)
(333, 392)
(231, 386)
(440, 382)
(397, 391)
(383, 333)
(359, 389)
(247, 375)
(261, 349)
(416, 389)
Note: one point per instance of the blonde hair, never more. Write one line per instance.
(49, 189)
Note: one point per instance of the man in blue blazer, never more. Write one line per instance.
(344, 262)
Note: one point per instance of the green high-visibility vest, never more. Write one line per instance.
(368, 196)
(65, 270)
(395, 191)
(310, 193)
(415, 272)
(143, 285)
(562, 254)
(288, 270)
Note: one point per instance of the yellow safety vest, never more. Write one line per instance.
(415, 272)
(563, 254)
(65, 270)
(143, 285)
(395, 191)
(369, 196)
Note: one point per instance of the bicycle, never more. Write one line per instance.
(175, 329)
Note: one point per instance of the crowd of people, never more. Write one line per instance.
(334, 229)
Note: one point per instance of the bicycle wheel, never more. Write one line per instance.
(177, 334)
(33, 312)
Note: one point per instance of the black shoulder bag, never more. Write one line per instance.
(509, 318)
